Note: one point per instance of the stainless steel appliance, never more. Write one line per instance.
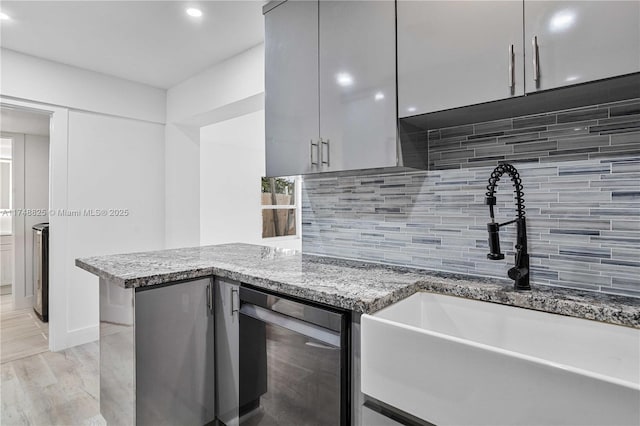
(294, 362)
(41, 270)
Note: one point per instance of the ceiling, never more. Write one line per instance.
(150, 42)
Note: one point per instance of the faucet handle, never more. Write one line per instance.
(516, 273)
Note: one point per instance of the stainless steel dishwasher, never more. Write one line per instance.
(294, 362)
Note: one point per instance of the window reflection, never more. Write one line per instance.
(279, 208)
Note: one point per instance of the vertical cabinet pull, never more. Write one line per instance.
(210, 296)
(311, 147)
(323, 142)
(512, 80)
(536, 60)
(320, 151)
(234, 296)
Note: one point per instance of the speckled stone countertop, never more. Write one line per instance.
(358, 286)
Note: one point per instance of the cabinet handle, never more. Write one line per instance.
(311, 146)
(210, 296)
(512, 80)
(322, 142)
(536, 65)
(233, 292)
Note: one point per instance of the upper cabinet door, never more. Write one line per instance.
(580, 41)
(357, 85)
(458, 53)
(291, 88)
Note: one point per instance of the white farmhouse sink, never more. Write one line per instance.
(454, 361)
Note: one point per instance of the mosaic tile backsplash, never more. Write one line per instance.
(581, 175)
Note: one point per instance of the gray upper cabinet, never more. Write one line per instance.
(457, 53)
(580, 41)
(291, 95)
(330, 86)
(357, 85)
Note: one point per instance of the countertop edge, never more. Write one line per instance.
(317, 296)
(100, 273)
(578, 304)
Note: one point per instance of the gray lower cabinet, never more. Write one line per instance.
(226, 305)
(570, 42)
(157, 361)
(457, 53)
(175, 355)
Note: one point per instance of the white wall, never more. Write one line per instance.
(5, 225)
(237, 78)
(114, 163)
(22, 294)
(215, 155)
(5, 179)
(27, 77)
(107, 150)
(30, 186)
(36, 196)
(232, 88)
(17, 121)
(231, 165)
(182, 179)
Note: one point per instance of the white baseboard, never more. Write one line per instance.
(80, 336)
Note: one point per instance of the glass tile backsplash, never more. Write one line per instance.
(580, 170)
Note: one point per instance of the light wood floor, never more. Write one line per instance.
(42, 388)
(52, 388)
(22, 334)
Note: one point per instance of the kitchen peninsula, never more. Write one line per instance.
(177, 325)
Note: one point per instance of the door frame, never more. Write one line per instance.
(58, 200)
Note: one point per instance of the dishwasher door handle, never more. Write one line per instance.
(312, 331)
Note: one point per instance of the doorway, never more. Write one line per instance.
(24, 198)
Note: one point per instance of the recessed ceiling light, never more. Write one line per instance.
(196, 13)
(4, 16)
(379, 96)
(411, 109)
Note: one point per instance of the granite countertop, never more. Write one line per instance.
(358, 286)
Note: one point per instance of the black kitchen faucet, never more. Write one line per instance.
(520, 272)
